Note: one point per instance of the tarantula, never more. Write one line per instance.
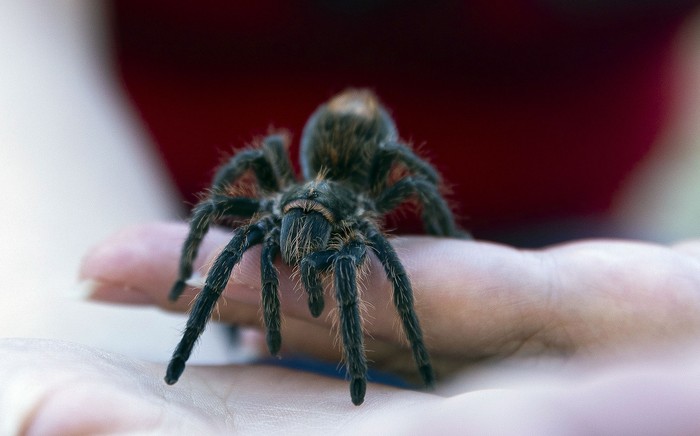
(324, 223)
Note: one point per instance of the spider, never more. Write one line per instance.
(323, 224)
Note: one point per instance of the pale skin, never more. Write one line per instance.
(587, 310)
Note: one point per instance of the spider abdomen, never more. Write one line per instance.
(342, 138)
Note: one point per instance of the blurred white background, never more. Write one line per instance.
(75, 167)
(662, 200)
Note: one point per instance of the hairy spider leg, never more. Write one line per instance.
(270, 291)
(204, 213)
(436, 215)
(392, 152)
(345, 264)
(273, 171)
(310, 267)
(275, 150)
(270, 163)
(217, 278)
(403, 300)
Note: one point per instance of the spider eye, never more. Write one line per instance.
(302, 233)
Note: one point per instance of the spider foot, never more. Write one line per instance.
(428, 376)
(174, 371)
(274, 342)
(316, 306)
(177, 290)
(358, 386)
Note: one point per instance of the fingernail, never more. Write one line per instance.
(97, 290)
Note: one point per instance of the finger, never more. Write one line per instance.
(474, 299)
(482, 289)
(135, 266)
(139, 264)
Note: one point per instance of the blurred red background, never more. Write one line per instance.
(534, 111)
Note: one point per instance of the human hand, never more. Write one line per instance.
(475, 300)
(57, 388)
(596, 296)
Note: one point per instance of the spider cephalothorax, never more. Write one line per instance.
(322, 224)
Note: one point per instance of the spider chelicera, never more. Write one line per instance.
(323, 224)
